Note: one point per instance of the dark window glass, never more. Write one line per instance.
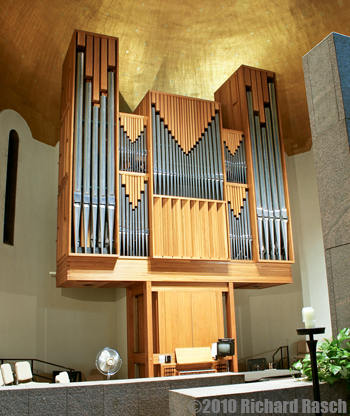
(11, 183)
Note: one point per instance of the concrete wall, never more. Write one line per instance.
(327, 81)
(64, 326)
(235, 398)
(267, 319)
(142, 397)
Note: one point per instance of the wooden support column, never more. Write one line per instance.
(231, 324)
(130, 328)
(148, 332)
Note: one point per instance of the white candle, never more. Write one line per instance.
(309, 317)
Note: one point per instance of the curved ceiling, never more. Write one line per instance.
(182, 47)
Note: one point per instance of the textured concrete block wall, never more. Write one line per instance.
(138, 397)
(327, 81)
(214, 400)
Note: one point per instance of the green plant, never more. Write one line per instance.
(333, 360)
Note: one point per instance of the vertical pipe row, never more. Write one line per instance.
(235, 164)
(94, 167)
(268, 179)
(196, 174)
(240, 235)
(133, 228)
(279, 173)
(132, 154)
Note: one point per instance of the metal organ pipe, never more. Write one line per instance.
(102, 172)
(180, 171)
(268, 179)
(93, 166)
(240, 236)
(185, 169)
(133, 228)
(94, 177)
(133, 190)
(284, 216)
(110, 161)
(235, 164)
(78, 128)
(87, 162)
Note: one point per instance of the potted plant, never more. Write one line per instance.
(333, 360)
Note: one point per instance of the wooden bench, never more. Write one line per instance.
(193, 361)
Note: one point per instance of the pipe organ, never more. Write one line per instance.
(183, 195)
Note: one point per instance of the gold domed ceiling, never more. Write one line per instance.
(181, 47)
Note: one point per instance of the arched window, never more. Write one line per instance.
(11, 184)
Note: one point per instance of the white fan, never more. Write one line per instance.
(108, 362)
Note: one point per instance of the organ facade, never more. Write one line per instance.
(181, 203)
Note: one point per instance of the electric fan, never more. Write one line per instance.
(108, 362)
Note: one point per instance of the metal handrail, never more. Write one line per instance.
(32, 360)
(280, 349)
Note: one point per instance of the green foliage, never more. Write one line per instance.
(333, 360)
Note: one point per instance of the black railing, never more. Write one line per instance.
(73, 374)
(284, 351)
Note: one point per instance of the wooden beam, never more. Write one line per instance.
(231, 324)
(89, 56)
(148, 333)
(130, 333)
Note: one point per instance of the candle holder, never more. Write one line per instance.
(312, 343)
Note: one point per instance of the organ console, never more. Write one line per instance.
(181, 202)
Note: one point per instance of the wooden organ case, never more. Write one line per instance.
(180, 203)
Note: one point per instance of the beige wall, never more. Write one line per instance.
(308, 237)
(268, 318)
(64, 326)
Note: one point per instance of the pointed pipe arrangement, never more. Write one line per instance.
(196, 173)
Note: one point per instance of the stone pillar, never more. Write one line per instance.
(327, 80)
